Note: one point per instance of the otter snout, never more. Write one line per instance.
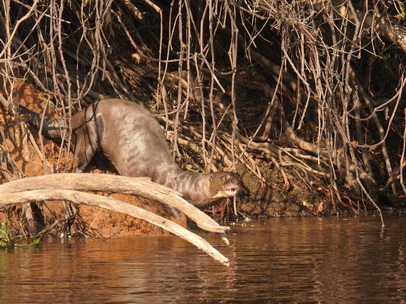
(231, 185)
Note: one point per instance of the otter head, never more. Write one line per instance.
(224, 184)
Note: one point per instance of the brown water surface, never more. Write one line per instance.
(324, 260)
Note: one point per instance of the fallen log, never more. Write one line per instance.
(69, 187)
(139, 186)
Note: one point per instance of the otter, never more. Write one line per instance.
(133, 140)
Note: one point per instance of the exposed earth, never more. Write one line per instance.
(35, 155)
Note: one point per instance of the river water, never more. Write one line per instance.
(293, 260)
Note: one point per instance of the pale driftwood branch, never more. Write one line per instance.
(115, 184)
(7, 199)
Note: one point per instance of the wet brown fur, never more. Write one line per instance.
(133, 140)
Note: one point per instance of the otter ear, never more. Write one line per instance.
(227, 176)
(211, 176)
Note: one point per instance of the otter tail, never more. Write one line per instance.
(51, 128)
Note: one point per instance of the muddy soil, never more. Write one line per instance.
(34, 155)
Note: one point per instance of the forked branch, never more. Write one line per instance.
(69, 187)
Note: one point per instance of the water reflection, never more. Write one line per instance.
(278, 260)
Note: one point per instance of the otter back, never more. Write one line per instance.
(130, 136)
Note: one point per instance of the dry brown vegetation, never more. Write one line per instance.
(304, 98)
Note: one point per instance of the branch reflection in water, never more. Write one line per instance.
(309, 259)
